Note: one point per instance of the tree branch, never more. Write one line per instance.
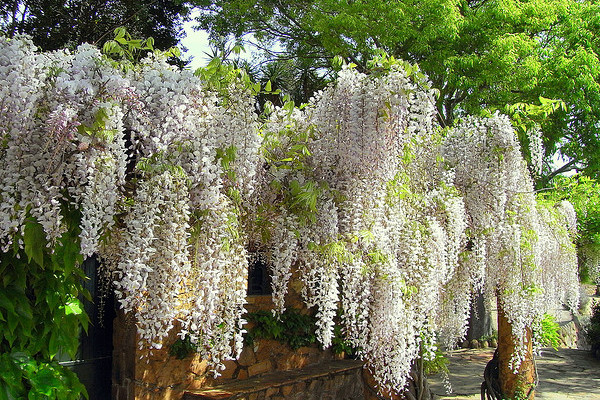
(571, 165)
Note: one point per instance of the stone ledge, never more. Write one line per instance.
(273, 380)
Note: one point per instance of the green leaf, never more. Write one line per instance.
(71, 255)
(175, 52)
(73, 307)
(214, 63)
(12, 320)
(53, 344)
(238, 49)
(150, 43)
(268, 86)
(337, 62)
(45, 381)
(120, 32)
(34, 241)
(6, 303)
(11, 383)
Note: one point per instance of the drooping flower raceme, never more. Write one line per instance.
(158, 168)
(385, 235)
(420, 219)
(391, 222)
(524, 249)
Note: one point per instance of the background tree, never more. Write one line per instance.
(480, 54)
(55, 24)
(584, 193)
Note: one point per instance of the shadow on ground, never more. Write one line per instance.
(566, 374)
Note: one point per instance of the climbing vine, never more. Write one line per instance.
(171, 177)
(40, 316)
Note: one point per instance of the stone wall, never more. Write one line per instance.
(331, 380)
(140, 375)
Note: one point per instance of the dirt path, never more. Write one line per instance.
(566, 374)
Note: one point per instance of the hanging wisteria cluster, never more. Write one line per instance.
(386, 217)
(410, 220)
(521, 249)
(387, 226)
(159, 169)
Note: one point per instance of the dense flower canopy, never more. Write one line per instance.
(388, 218)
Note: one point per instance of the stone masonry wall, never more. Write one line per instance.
(139, 375)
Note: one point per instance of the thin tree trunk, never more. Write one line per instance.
(519, 385)
(480, 321)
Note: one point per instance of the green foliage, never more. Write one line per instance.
(526, 116)
(339, 345)
(548, 334)
(489, 338)
(41, 315)
(290, 327)
(123, 46)
(98, 127)
(219, 74)
(482, 55)
(288, 150)
(25, 377)
(584, 193)
(303, 200)
(125, 52)
(436, 364)
(182, 348)
(291, 80)
(294, 329)
(382, 63)
(227, 157)
(593, 329)
(57, 24)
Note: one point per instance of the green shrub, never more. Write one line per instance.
(548, 332)
(290, 327)
(437, 363)
(593, 330)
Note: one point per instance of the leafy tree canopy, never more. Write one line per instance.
(481, 54)
(55, 24)
(584, 193)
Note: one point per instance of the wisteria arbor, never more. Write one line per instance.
(389, 218)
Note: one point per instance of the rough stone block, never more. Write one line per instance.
(243, 373)
(315, 386)
(299, 387)
(197, 366)
(260, 368)
(287, 390)
(247, 357)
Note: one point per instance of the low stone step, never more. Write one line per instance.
(336, 379)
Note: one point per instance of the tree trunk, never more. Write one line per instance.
(480, 321)
(519, 385)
